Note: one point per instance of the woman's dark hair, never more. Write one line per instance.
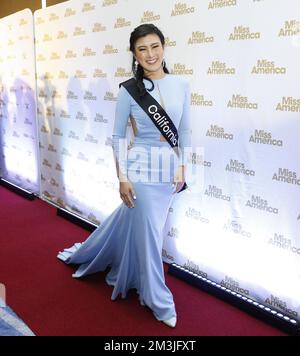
(138, 32)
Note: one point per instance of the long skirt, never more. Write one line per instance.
(130, 241)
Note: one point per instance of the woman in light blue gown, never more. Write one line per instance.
(130, 240)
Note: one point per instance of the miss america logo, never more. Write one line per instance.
(162, 123)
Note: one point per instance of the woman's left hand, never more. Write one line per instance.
(179, 179)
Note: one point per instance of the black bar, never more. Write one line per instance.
(20, 191)
(76, 220)
(256, 311)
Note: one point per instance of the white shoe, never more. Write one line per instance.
(171, 322)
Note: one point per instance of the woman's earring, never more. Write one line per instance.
(136, 66)
(163, 63)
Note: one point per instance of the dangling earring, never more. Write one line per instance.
(163, 63)
(136, 66)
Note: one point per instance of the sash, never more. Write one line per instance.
(157, 114)
(154, 110)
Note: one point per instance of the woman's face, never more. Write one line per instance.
(149, 53)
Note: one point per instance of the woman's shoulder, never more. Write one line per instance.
(178, 79)
(123, 95)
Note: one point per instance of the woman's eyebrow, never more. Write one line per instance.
(146, 45)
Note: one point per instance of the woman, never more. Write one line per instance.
(130, 240)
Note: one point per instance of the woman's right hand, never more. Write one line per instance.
(127, 194)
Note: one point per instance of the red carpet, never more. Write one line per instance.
(41, 291)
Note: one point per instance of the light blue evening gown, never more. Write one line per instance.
(130, 240)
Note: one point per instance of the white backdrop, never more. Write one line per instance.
(242, 60)
(18, 129)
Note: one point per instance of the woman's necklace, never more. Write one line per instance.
(161, 98)
(163, 106)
